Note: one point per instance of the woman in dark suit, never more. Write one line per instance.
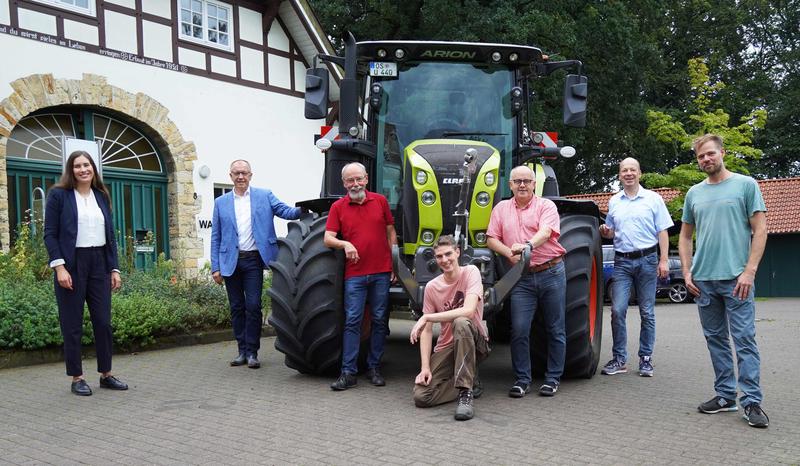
(79, 235)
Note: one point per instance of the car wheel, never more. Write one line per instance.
(678, 293)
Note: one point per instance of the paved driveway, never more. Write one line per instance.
(187, 406)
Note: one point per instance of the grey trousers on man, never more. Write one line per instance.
(454, 367)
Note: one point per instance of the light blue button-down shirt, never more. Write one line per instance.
(637, 220)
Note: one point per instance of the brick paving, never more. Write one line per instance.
(186, 406)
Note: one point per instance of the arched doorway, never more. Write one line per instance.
(131, 165)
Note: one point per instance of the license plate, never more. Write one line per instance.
(381, 68)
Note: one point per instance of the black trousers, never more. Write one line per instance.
(91, 284)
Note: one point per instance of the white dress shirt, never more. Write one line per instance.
(244, 222)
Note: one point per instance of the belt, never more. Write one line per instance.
(637, 254)
(253, 253)
(546, 265)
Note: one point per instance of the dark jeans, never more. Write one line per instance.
(244, 294)
(545, 290)
(373, 289)
(91, 284)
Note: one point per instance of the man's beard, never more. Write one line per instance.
(357, 193)
(712, 169)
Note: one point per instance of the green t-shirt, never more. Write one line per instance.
(721, 215)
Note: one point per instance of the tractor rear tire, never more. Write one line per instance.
(580, 236)
(307, 310)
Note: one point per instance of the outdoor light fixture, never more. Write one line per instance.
(422, 177)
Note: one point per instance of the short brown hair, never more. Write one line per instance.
(700, 140)
(445, 240)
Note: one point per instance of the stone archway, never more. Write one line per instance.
(40, 91)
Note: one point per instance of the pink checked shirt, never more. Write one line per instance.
(511, 224)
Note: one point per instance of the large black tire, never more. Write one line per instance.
(583, 263)
(307, 310)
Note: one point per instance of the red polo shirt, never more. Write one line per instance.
(364, 225)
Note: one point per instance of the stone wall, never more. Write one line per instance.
(41, 91)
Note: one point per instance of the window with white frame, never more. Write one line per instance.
(78, 6)
(206, 22)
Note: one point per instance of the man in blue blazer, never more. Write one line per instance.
(243, 241)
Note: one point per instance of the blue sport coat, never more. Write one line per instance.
(61, 227)
(225, 235)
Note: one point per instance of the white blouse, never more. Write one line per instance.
(91, 223)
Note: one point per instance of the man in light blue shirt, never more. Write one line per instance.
(728, 213)
(637, 221)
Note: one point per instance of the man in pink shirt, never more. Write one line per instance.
(529, 220)
(455, 300)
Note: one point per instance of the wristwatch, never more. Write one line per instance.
(529, 244)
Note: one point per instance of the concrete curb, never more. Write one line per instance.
(20, 358)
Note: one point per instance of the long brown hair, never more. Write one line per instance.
(67, 180)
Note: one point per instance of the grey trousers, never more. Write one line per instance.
(454, 367)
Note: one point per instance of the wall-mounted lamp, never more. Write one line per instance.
(204, 171)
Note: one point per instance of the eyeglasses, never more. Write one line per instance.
(357, 179)
(520, 182)
(238, 174)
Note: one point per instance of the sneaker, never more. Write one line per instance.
(477, 387)
(344, 382)
(615, 366)
(645, 366)
(548, 389)
(375, 377)
(519, 390)
(718, 404)
(464, 409)
(756, 417)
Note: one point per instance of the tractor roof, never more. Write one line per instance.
(465, 52)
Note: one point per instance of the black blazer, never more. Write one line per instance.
(61, 227)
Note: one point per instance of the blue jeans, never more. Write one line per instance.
(721, 314)
(643, 274)
(244, 295)
(373, 289)
(546, 289)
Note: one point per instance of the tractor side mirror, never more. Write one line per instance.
(576, 89)
(316, 93)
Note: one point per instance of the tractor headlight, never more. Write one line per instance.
(399, 54)
(427, 237)
(428, 198)
(483, 198)
(489, 179)
(480, 237)
(422, 177)
(381, 53)
(496, 56)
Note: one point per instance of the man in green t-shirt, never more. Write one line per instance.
(728, 214)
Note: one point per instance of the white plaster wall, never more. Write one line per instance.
(158, 7)
(252, 64)
(5, 16)
(191, 58)
(120, 32)
(35, 21)
(250, 25)
(128, 3)
(81, 32)
(225, 121)
(223, 65)
(279, 71)
(277, 38)
(157, 40)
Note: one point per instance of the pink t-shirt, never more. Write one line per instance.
(441, 296)
(511, 224)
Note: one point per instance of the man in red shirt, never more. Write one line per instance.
(454, 299)
(529, 220)
(362, 224)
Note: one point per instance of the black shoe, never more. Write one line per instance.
(756, 417)
(717, 404)
(477, 387)
(464, 409)
(548, 389)
(240, 360)
(81, 388)
(519, 390)
(253, 362)
(344, 382)
(113, 383)
(375, 377)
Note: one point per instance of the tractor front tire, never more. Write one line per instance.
(307, 311)
(583, 321)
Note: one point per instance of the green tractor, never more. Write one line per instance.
(439, 126)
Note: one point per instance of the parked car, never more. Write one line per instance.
(672, 287)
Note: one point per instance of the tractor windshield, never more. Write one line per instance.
(434, 100)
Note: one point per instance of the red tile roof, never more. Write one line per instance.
(781, 195)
